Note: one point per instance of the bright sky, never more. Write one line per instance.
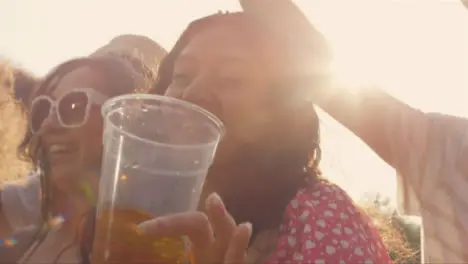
(415, 49)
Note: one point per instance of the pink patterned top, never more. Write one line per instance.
(322, 225)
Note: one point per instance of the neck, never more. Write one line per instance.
(73, 206)
(72, 210)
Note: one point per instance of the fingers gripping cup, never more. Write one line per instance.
(157, 151)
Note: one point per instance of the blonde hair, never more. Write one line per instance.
(12, 127)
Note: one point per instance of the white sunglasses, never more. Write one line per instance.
(72, 109)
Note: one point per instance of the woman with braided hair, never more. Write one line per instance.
(265, 179)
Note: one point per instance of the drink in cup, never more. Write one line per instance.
(157, 151)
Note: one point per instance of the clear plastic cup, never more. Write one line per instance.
(157, 151)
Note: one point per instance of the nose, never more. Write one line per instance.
(51, 123)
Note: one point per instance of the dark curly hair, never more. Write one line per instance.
(24, 84)
(294, 148)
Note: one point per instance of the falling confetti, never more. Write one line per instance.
(123, 177)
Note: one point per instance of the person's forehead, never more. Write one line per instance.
(233, 48)
(81, 77)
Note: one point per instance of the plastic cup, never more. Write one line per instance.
(157, 151)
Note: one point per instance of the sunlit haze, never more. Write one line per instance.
(415, 49)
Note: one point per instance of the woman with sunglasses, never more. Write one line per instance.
(20, 201)
(64, 144)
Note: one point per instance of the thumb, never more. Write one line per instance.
(237, 250)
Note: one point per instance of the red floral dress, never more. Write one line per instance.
(322, 225)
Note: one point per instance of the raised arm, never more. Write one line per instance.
(426, 149)
(394, 130)
(387, 125)
(418, 145)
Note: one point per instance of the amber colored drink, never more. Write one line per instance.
(118, 240)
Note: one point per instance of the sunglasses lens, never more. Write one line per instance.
(40, 110)
(72, 108)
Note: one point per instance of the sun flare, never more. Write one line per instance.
(351, 76)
